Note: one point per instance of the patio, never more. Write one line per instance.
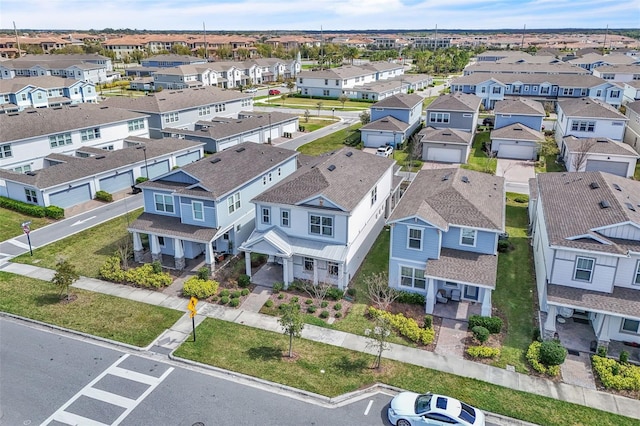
(574, 334)
(268, 274)
(457, 310)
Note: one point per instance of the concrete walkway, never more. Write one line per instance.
(180, 332)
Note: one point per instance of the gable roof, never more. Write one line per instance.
(442, 197)
(599, 146)
(456, 102)
(353, 175)
(400, 101)
(445, 135)
(561, 80)
(388, 123)
(14, 85)
(589, 108)
(519, 106)
(572, 208)
(517, 131)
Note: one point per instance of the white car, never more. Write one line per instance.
(251, 90)
(385, 151)
(414, 409)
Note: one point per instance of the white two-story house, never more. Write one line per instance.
(586, 245)
(320, 222)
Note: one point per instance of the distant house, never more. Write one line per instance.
(205, 207)
(632, 132)
(445, 145)
(21, 93)
(520, 110)
(92, 68)
(406, 108)
(320, 222)
(588, 118)
(598, 154)
(516, 141)
(454, 111)
(444, 236)
(171, 60)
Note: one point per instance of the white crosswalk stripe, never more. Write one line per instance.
(66, 417)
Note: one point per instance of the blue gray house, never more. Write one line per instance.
(405, 108)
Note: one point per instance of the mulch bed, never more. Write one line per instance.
(285, 297)
(417, 313)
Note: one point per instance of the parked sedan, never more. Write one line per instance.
(251, 90)
(413, 409)
(274, 92)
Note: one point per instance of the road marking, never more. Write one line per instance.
(80, 222)
(366, 412)
(62, 416)
(19, 244)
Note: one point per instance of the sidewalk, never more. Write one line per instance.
(180, 332)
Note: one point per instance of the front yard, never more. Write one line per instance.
(332, 142)
(10, 225)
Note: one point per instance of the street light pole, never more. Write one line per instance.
(269, 128)
(146, 166)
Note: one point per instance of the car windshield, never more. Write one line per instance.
(467, 413)
(423, 403)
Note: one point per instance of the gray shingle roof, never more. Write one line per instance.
(156, 224)
(619, 68)
(519, 106)
(446, 135)
(456, 102)
(352, 178)
(526, 67)
(517, 131)
(622, 301)
(634, 106)
(48, 121)
(562, 80)
(387, 123)
(464, 266)
(441, 197)
(176, 100)
(75, 168)
(589, 108)
(599, 146)
(46, 82)
(572, 208)
(401, 101)
(233, 168)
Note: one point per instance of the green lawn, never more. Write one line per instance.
(316, 123)
(312, 104)
(478, 159)
(401, 158)
(331, 142)
(86, 250)
(515, 284)
(636, 175)
(98, 314)
(332, 371)
(10, 223)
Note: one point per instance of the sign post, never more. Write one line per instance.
(27, 229)
(192, 308)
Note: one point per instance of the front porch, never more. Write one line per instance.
(575, 334)
(267, 275)
(457, 310)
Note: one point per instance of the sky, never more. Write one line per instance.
(331, 15)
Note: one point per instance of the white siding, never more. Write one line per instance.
(601, 277)
(626, 273)
(626, 232)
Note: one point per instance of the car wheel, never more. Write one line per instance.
(403, 422)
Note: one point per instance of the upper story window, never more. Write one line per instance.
(266, 215)
(544, 90)
(636, 280)
(308, 264)
(439, 117)
(285, 218)
(607, 76)
(90, 134)
(171, 117)
(5, 151)
(583, 126)
(496, 90)
(326, 82)
(321, 225)
(221, 107)
(415, 238)
(374, 195)
(164, 203)
(31, 196)
(60, 140)
(615, 94)
(136, 124)
(584, 269)
(198, 210)
(204, 111)
(468, 237)
(234, 202)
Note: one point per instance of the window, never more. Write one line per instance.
(136, 124)
(630, 326)
(439, 117)
(468, 237)
(308, 264)
(23, 169)
(321, 225)
(325, 93)
(599, 92)
(332, 268)
(544, 90)
(5, 151)
(60, 140)
(164, 203)
(31, 196)
(374, 195)
(583, 126)
(198, 210)
(415, 238)
(285, 217)
(584, 269)
(410, 277)
(204, 111)
(90, 134)
(607, 76)
(496, 90)
(234, 202)
(636, 281)
(266, 215)
(161, 242)
(171, 117)
(615, 94)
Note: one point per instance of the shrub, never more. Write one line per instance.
(602, 351)
(224, 300)
(309, 301)
(141, 179)
(624, 357)
(204, 273)
(111, 270)
(234, 303)
(483, 352)
(311, 309)
(199, 288)
(324, 304)
(616, 376)
(428, 321)
(504, 246)
(352, 291)
(324, 314)
(244, 292)
(277, 287)
(335, 293)
(235, 294)
(224, 292)
(268, 303)
(244, 281)
(521, 200)
(338, 315)
(145, 276)
(54, 212)
(552, 352)
(480, 333)
(294, 299)
(407, 327)
(20, 207)
(337, 306)
(411, 298)
(533, 356)
(104, 196)
(281, 296)
(156, 266)
(493, 324)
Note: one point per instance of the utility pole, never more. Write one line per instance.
(206, 50)
(17, 39)
(604, 43)
(522, 42)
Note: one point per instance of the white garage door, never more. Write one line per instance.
(518, 152)
(71, 197)
(374, 141)
(614, 167)
(187, 158)
(156, 169)
(444, 155)
(117, 182)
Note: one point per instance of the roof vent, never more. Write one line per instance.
(594, 185)
(99, 157)
(518, 129)
(446, 177)
(240, 149)
(465, 179)
(104, 107)
(215, 160)
(349, 154)
(630, 207)
(602, 141)
(604, 204)
(446, 134)
(331, 168)
(30, 173)
(616, 187)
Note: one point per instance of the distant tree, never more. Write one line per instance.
(180, 49)
(580, 156)
(319, 106)
(243, 53)
(307, 114)
(292, 323)
(343, 98)
(365, 117)
(224, 52)
(64, 276)
(414, 150)
(284, 98)
(290, 85)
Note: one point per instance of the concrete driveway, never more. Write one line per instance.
(516, 174)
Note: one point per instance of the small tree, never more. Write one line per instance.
(124, 251)
(343, 98)
(65, 275)
(319, 106)
(307, 114)
(379, 292)
(414, 150)
(365, 117)
(317, 292)
(292, 323)
(378, 338)
(284, 98)
(290, 86)
(581, 154)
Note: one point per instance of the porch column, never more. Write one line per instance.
(178, 254)
(137, 247)
(550, 323)
(315, 271)
(603, 333)
(155, 248)
(285, 272)
(341, 276)
(430, 300)
(209, 259)
(485, 311)
(247, 263)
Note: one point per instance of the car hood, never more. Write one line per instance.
(404, 403)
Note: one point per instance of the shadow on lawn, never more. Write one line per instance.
(265, 353)
(47, 299)
(347, 365)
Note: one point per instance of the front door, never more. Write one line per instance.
(470, 292)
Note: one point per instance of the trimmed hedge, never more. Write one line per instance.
(200, 288)
(493, 324)
(244, 281)
(480, 333)
(407, 327)
(411, 298)
(104, 196)
(533, 356)
(54, 212)
(142, 276)
(335, 293)
(552, 352)
(615, 375)
(483, 352)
